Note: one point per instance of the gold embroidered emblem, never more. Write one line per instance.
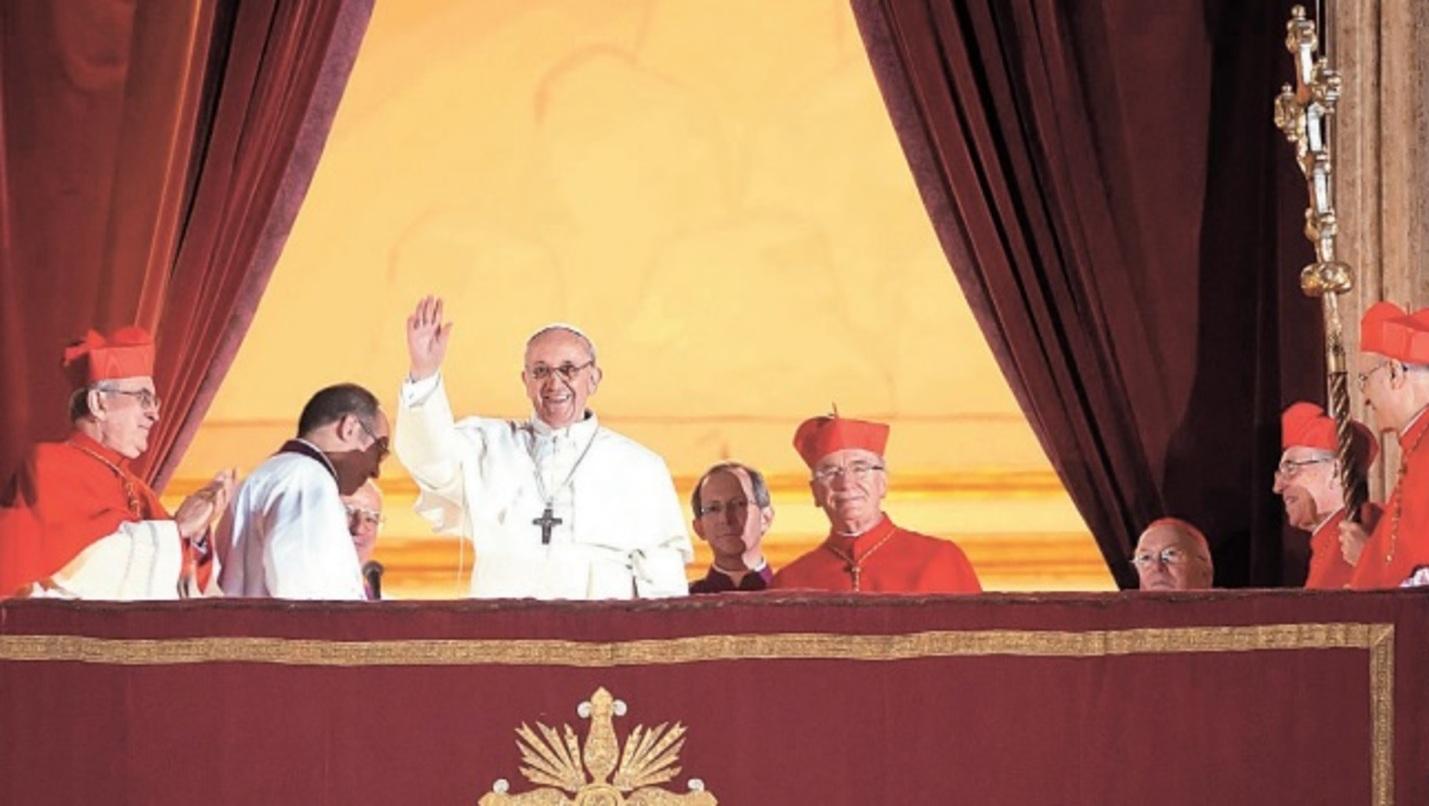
(554, 761)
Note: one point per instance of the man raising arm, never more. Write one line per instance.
(557, 506)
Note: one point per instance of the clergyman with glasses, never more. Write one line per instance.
(732, 513)
(1308, 482)
(865, 551)
(1394, 378)
(557, 505)
(1173, 555)
(286, 536)
(80, 523)
(364, 523)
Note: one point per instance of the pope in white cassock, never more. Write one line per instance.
(557, 506)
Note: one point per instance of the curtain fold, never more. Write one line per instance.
(1107, 185)
(271, 108)
(98, 101)
(153, 157)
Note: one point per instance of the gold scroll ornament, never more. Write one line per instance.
(570, 774)
(1303, 113)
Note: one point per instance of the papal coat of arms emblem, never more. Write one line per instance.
(600, 772)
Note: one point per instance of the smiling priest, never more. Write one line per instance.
(80, 524)
(557, 506)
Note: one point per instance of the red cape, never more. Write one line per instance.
(1400, 542)
(64, 500)
(1328, 569)
(907, 563)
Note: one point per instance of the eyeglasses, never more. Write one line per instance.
(858, 471)
(1364, 376)
(1290, 468)
(357, 515)
(146, 398)
(380, 442)
(567, 371)
(718, 508)
(1169, 557)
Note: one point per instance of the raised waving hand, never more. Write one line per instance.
(427, 338)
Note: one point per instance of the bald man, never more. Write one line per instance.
(558, 506)
(1173, 555)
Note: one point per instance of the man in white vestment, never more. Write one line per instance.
(557, 506)
(287, 534)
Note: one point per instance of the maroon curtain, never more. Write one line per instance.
(98, 101)
(279, 70)
(154, 156)
(1110, 191)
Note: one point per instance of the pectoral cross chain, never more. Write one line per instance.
(854, 567)
(547, 522)
(855, 572)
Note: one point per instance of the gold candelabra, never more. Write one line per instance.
(1304, 113)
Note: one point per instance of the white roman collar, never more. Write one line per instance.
(579, 431)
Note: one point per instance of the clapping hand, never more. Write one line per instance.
(198, 511)
(427, 338)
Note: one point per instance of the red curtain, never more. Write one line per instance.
(1109, 189)
(283, 71)
(98, 123)
(154, 157)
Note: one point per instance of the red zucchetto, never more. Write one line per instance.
(1307, 425)
(127, 353)
(818, 437)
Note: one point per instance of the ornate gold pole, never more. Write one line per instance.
(1304, 114)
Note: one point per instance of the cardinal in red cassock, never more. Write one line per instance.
(865, 551)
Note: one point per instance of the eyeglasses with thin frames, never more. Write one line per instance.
(1169, 557)
(1364, 377)
(567, 371)
(1290, 468)
(146, 398)
(858, 471)
(380, 442)
(365, 515)
(717, 508)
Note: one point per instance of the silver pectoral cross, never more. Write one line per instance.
(547, 522)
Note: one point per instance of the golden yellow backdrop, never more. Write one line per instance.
(714, 192)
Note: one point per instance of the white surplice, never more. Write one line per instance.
(621, 535)
(286, 535)
(141, 560)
